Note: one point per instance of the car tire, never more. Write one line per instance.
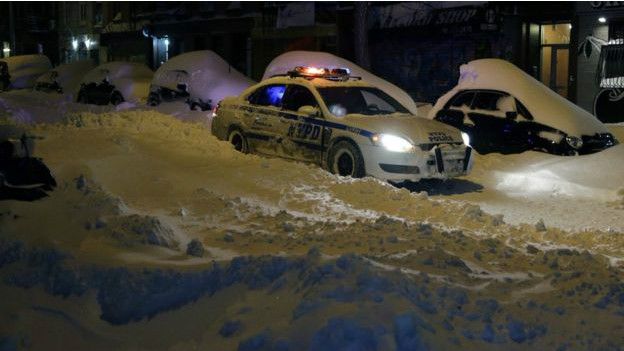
(238, 139)
(345, 159)
(116, 98)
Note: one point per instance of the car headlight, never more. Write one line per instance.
(466, 138)
(574, 142)
(393, 143)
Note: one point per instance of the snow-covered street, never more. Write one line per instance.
(527, 249)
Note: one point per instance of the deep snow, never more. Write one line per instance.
(103, 263)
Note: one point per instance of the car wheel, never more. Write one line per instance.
(239, 141)
(345, 159)
(116, 98)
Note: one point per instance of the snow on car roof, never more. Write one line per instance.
(117, 69)
(68, 75)
(288, 61)
(208, 76)
(546, 106)
(22, 61)
(25, 69)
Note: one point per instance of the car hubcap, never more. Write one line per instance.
(344, 165)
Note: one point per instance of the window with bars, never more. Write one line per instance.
(610, 72)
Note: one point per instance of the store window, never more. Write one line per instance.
(555, 56)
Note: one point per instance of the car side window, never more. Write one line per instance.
(269, 95)
(462, 100)
(297, 96)
(488, 101)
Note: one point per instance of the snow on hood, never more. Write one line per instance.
(68, 76)
(288, 61)
(25, 69)
(546, 106)
(130, 78)
(417, 129)
(207, 75)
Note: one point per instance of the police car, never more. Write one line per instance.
(349, 127)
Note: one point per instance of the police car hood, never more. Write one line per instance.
(418, 130)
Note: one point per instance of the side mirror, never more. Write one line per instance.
(511, 115)
(308, 110)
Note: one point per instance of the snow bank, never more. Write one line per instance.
(288, 61)
(546, 106)
(25, 69)
(597, 176)
(206, 74)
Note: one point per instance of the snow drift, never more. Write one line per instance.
(288, 61)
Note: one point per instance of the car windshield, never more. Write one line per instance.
(342, 101)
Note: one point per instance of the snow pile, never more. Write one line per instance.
(114, 256)
(532, 173)
(25, 69)
(68, 76)
(288, 61)
(130, 78)
(546, 106)
(206, 75)
(26, 106)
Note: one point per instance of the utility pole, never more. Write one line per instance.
(12, 28)
(361, 33)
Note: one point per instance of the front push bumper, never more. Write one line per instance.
(441, 162)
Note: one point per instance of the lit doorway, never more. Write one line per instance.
(555, 56)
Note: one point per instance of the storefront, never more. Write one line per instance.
(600, 59)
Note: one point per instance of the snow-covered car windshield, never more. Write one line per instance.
(343, 101)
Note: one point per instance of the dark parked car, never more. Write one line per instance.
(502, 109)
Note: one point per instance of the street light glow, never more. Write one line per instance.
(75, 44)
(602, 20)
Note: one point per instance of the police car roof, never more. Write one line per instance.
(316, 82)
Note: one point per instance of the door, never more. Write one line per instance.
(302, 130)
(261, 118)
(555, 56)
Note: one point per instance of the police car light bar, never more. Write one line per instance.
(326, 73)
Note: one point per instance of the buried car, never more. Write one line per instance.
(502, 109)
(19, 170)
(198, 78)
(114, 83)
(64, 79)
(346, 125)
(21, 72)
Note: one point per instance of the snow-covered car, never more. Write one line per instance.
(18, 168)
(284, 63)
(502, 109)
(342, 123)
(21, 72)
(198, 78)
(64, 79)
(114, 83)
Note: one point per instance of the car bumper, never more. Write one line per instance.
(441, 162)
